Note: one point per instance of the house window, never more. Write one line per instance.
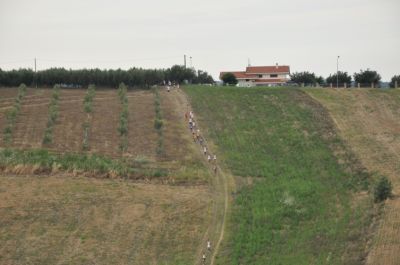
(260, 76)
(273, 75)
(247, 80)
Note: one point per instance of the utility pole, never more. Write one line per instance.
(184, 60)
(191, 65)
(337, 72)
(35, 74)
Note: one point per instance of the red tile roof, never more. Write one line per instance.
(252, 72)
(239, 75)
(267, 69)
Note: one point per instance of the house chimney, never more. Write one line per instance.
(276, 66)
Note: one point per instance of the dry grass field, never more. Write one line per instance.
(63, 220)
(369, 120)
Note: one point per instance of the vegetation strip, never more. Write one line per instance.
(88, 105)
(123, 118)
(53, 115)
(158, 123)
(11, 115)
(42, 161)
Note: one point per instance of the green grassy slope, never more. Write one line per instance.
(300, 209)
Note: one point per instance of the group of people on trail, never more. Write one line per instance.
(168, 85)
(204, 256)
(197, 138)
(211, 158)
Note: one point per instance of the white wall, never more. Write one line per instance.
(244, 83)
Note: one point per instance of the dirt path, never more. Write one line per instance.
(369, 121)
(221, 185)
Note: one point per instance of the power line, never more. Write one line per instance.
(108, 61)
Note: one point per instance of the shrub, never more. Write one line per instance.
(88, 100)
(383, 189)
(88, 107)
(123, 119)
(158, 123)
(85, 144)
(229, 79)
(342, 78)
(53, 115)
(367, 77)
(393, 81)
(306, 78)
(47, 139)
(123, 146)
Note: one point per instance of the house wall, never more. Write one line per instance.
(280, 76)
(244, 83)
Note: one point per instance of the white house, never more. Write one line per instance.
(262, 75)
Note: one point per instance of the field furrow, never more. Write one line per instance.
(173, 111)
(104, 137)
(68, 132)
(31, 123)
(141, 123)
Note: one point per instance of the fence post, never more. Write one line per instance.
(395, 84)
(358, 84)
(331, 85)
(345, 85)
(372, 84)
(302, 84)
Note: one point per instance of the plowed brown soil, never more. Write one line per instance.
(103, 138)
(31, 121)
(68, 132)
(7, 98)
(142, 136)
(369, 120)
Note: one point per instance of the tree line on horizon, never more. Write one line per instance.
(133, 77)
(365, 78)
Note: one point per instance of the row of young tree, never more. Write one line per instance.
(365, 78)
(134, 77)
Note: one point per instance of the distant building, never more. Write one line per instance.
(262, 75)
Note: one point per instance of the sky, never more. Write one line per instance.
(216, 35)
